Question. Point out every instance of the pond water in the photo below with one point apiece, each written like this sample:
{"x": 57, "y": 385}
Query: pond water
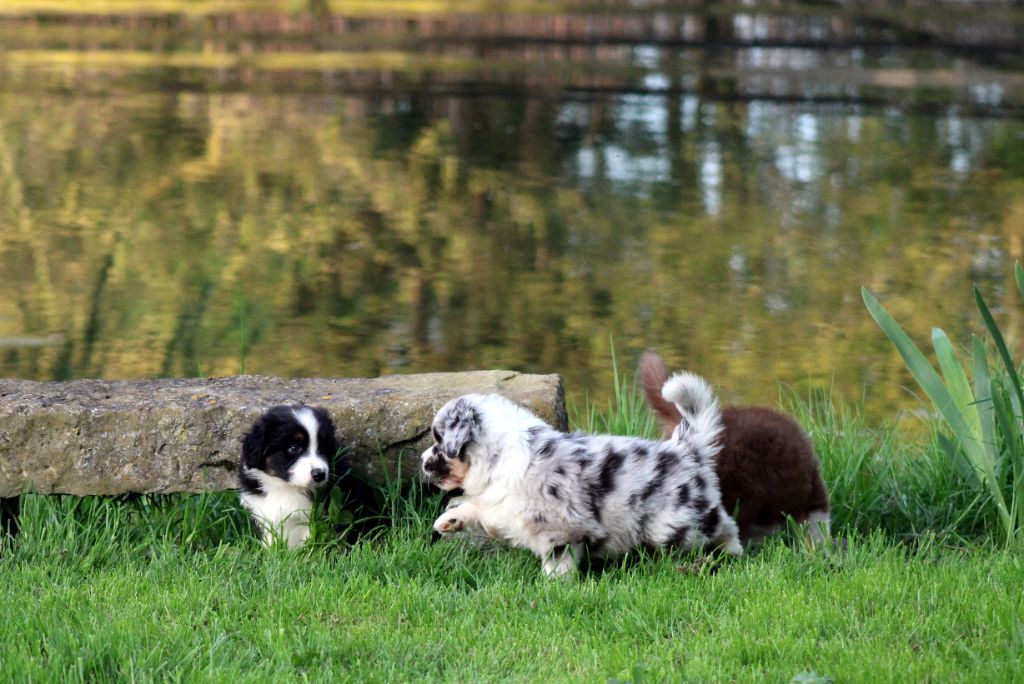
{"x": 167, "y": 209}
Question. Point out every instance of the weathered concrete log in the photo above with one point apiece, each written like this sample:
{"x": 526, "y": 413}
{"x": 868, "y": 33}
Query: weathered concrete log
{"x": 184, "y": 435}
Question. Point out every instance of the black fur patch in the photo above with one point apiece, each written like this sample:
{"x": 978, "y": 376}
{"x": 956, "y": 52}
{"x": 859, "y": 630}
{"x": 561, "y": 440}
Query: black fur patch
{"x": 249, "y": 484}
{"x": 611, "y": 465}
{"x": 605, "y": 482}
{"x": 683, "y": 495}
{"x": 643, "y": 524}
{"x": 436, "y": 465}
{"x": 594, "y": 498}
{"x": 679, "y": 535}
{"x": 652, "y": 487}
{"x": 546, "y": 448}
{"x": 326, "y": 439}
{"x": 361, "y": 499}
{"x": 709, "y": 522}
{"x": 594, "y": 546}
{"x": 553, "y": 491}
{"x": 665, "y": 461}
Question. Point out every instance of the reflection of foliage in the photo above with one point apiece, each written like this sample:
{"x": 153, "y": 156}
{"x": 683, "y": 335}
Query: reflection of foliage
{"x": 359, "y": 236}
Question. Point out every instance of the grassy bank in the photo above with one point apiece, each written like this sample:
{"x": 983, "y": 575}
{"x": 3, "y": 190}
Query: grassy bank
{"x": 177, "y": 589}
{"x": 407, "y": 610}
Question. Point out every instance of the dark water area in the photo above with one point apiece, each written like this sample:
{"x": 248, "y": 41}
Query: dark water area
{"x": 208, "y": 201}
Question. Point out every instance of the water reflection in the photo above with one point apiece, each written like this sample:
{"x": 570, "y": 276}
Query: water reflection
{"x": 149, "y": 233}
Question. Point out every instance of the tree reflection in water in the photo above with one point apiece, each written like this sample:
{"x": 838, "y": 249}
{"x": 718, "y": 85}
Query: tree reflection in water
{"x": 162, "y": 228}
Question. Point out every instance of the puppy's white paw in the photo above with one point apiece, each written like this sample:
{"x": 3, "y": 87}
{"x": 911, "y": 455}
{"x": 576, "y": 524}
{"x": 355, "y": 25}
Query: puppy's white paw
{"x": 448, "y": 523}
{"x": 560, "y": 563}
{"x": 733, "y": 547}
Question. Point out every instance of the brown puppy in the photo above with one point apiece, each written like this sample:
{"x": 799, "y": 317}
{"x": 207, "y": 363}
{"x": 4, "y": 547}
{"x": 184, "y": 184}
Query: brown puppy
{"x": 767, "y": 467}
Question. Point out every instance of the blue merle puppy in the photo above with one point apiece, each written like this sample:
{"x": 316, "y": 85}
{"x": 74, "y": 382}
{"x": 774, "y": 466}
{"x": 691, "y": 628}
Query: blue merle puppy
{"x": 557, "y": 494}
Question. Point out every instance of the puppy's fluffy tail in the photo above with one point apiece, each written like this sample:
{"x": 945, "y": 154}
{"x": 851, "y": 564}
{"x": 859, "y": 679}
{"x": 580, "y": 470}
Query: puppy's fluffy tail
{"x": 653, "y": 373}
{"x": 701, "y": 422}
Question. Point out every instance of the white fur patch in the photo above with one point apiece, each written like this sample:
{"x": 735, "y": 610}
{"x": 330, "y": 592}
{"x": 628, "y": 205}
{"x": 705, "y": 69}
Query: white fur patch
{"x": 281, "y": 511}
{"x": 818, "y": 527}
{"x": 689, "y": 392}
{"x": 702, "y": 419}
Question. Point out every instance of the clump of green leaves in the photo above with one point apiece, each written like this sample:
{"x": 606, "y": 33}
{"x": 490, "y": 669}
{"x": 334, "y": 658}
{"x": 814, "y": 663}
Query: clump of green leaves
{"x": 984, "y": 414}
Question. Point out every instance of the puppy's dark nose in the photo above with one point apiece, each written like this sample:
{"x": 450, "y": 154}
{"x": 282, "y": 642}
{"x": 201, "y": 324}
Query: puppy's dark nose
{"x": 318, "y": 474}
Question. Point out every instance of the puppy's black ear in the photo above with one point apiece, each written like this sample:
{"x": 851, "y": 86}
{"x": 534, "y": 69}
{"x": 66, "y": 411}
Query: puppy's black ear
{"x": 461, "y": 426}
{"x": 254, "y": 444}
{"x": 327, "y": 438}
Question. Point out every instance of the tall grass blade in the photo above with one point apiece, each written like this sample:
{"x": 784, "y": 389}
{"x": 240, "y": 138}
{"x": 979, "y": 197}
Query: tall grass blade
{"x": 983, "y": 396}
{"x": 965, "y": 469}
{"x": 956, "y": 381}
{"x": 997, "y": 336}
{"x": 919, "y": 366}
{"x": 1012, "y": 428}
{"x": 1012, "y": 465}
{"x": 617, "y": 385}
{"x": 1019, "y": 272}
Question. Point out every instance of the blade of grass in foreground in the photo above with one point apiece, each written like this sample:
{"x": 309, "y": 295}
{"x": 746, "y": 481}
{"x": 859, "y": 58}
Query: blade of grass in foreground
{"x": 956, "y": 381}
{"x": 1004, "y": 353}
{"x": 1013, "y": 444}
{"x": 983, "y": 395}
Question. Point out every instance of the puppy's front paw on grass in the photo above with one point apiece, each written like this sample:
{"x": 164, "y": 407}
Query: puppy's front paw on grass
{"x": 448, "y": 524}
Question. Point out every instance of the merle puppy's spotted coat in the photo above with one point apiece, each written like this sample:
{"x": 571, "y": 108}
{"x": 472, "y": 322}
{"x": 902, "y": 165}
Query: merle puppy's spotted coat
{"x": 556, "y": 493}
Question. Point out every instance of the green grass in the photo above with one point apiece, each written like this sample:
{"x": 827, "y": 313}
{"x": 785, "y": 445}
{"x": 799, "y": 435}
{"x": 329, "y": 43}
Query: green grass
{"x": 176, "y": 588}
{"x": 880, "y": 479}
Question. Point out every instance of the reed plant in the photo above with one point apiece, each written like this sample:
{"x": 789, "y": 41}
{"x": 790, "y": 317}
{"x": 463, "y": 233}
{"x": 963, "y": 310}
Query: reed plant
{"x": 983, "y": 414}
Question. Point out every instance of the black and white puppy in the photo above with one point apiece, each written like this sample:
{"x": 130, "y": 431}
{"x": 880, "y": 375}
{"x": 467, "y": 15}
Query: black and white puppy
{"x": 558, "y": 494}
{"x": 286, "y": 456}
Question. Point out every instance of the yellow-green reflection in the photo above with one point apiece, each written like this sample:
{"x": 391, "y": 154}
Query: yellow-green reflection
{"x": 147, "y": 233}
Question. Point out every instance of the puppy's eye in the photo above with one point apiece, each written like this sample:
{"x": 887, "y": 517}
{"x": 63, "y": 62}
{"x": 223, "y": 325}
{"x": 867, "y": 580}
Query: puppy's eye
{"x": 295, "y": 450}
{"x": 437, "y": 435}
